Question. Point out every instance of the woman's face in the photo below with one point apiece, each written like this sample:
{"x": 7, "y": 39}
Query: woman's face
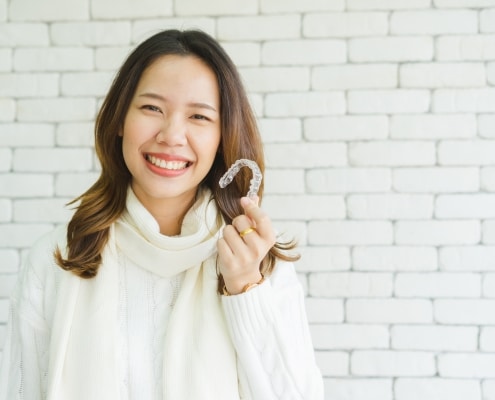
{"x": 172, "y": 129}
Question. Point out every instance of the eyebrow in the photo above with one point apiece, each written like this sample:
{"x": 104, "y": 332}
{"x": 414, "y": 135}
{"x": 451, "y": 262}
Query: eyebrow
{"x": 194, "y": 104}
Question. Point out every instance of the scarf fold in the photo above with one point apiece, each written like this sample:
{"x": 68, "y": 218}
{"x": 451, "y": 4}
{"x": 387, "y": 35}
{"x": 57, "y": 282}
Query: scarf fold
{"x": 199, "y": 358}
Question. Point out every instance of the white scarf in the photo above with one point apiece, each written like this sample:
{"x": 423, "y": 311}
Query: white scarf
{"x": 199, "y": 359}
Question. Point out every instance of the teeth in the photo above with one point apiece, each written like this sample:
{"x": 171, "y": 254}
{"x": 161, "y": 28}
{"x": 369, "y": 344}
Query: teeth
{"x": 166, "y": 164}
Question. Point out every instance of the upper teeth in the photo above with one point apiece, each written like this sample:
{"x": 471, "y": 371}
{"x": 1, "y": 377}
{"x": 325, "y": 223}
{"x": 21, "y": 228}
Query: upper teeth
{"x": 166, "y": 164}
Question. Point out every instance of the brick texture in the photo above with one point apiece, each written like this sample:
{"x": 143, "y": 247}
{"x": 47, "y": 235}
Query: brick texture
{"x": 378, "y": 118}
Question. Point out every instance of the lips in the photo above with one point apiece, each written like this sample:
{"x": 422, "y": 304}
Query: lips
{"x": 173, "y": 165}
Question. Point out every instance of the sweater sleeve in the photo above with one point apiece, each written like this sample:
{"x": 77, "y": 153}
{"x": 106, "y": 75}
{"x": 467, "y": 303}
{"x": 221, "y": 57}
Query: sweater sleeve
{"x": 24, "y": 361}
{"x": 269, "y": 329}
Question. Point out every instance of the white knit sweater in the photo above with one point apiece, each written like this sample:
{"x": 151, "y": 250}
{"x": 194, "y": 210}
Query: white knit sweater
{"x": 268, "y": 328}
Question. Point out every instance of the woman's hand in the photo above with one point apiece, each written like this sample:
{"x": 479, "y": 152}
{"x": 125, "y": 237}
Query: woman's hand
{"x": 244, "y": 245}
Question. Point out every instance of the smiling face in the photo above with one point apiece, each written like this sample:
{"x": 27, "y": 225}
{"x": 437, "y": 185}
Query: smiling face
{"x": 172, "y": 130}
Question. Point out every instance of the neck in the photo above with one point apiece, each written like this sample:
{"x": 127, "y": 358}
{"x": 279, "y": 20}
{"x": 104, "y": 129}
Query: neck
{"x": 168, "y": 212}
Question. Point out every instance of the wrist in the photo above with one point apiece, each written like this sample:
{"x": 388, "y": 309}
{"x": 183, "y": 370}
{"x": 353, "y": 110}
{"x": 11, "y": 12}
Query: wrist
{"x": 232, "y": 287}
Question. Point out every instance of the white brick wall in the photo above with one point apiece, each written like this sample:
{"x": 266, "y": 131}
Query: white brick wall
{"x": 378, "y": 118}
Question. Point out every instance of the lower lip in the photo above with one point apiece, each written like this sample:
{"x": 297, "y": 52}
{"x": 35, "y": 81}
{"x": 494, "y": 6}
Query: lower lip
{"x": 168, "y": 173}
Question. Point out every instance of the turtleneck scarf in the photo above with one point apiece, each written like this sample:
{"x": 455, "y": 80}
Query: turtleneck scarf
{"x": 199, "y": 359}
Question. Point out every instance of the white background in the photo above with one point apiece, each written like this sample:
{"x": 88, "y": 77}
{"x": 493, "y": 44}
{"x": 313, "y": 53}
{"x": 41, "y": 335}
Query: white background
{"x": 378, "y": 118}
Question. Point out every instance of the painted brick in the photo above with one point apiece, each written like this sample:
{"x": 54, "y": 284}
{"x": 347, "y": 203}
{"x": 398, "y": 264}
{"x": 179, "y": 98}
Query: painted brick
{"x": 90, "y": 33}
{"x": 392, "y": 363}
{"x": 467, "y": 258}
{"x": 400, "y": 101}
{"x": 434, "y": 22}
{"x": 490, "y": 73}
{"x": 465, "y": 311}
{"x": 283, "y": 6}
{"x": 292, "y": 231}
{"x": 281, "y": 130}
{"x": 6, "y": 60}
{"x": 244, "y": 54}
{"x": 487, "y": 20}
{"x": 304, "y": 52}
{"x": 487, "y": 338}
{"x": 399, "y": 49}
{"x": 486, "y": 125}
{"x": 5, "y": 160}
{"x": 396, "y": 258}
{"x": 348, "y": 180}
{"x": 434, "y": 338}
{"x": 324, "y": 310}
{"x": 4, "y": 309}
{"x": 29, "y": 85}
{"x": 26, "y": 135}
{"x": 465, "y": 48}
{"x": 396, "y": 153}
{"x": 10, "y": 261}
{"x": 355, "y": 127}
{"x": 436, "y": 180}
{"x": 350, "y": 284}
{"x": 7, "y": 284}
{"x": 305, "y": 207}
{"x": 488, "y": 179}
{"x": 387, "y": 4}
{"x": 7, "y": 110}
{"x": 461, "y": 152}
{"x": 433, "y": 126}
{"x": 437, "y": 285}
{"x": 110, "y": 58}
{"x": 489, "y": 285}
{"x": 333, "y": 363}
{"x": 389, "y": 311}
{"x": 488, "y": 232}
{"x": 345, "y": 24}
{"x": 463, "y": 3}
{"x": 359, "y": 76}
{"x": 26, "y": 185}
{"x": 3, "y": 14}
{"x": 309, "y": 104}
{"x": 390, "y": 206}
{"x": 259, "y": 27}
{"x": 75, "y": 134}
{"x": 442, "y": 75}
{"x": 106, "y": 9}
{"x": 334, "y": 258}
{"x": 437, "y": 233}
{"x": 437, "y": 388}
{"x": 214, "y": 7}
{"x": 359, "y": 389}
{"x": 464, "y": 100}
{"x": 350, "y": 232}
{"x": 22, "y": 235}
{"x": 144, "y": 28}
{"x": 5, "y": 210}
{"x": 349, "y": 336}
{"x": 41, "y": 210}
{"x": 305, "y": 155}
{"x": 288, "y": 181}
{"x": 53, "y": 59}
{"x": 466, "y": 365}
{"x": 53, "y": 10}
{"x": 273, "y": 79}
{"x": 24, "y": 34}
{"x": 86, "y": 84}
{"x": 56, "y": 110}
{"x": 488, "y": 387}
{"x": 474, "y": 206}
{"x": 52, "y": 160}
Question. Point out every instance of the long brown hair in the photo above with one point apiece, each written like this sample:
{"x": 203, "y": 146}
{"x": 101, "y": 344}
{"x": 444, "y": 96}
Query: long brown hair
{"x": 104, "y": 202}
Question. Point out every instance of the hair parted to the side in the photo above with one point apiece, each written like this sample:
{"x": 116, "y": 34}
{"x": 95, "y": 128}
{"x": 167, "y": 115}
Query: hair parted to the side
{"x": 104, "y": 202}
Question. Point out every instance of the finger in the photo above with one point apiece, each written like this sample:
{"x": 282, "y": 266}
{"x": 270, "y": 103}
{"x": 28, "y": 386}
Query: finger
{"x": 261, "y": 220}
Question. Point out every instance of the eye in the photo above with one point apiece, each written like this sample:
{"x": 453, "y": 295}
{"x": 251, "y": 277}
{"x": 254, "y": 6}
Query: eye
{"x": 151, "y": 108}
{"x": 200, "y": 117}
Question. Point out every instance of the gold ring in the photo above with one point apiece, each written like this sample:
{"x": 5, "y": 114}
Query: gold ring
{"x": 246, "y": 231}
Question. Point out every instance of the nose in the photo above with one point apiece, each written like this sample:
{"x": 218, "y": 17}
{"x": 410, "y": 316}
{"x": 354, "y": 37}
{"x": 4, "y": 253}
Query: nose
{"x": 173, "y": 132}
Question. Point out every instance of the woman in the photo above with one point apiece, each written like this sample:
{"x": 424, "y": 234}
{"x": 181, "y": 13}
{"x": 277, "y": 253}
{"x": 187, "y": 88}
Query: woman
{"x": 163, "y": 285}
